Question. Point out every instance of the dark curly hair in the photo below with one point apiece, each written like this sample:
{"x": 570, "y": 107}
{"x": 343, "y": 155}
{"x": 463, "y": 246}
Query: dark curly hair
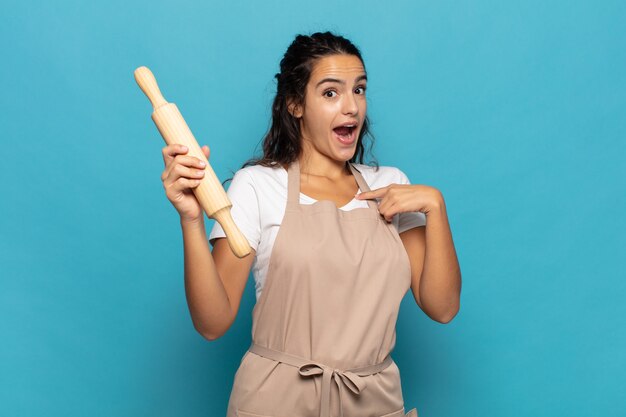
{"x": 282, "y": 143}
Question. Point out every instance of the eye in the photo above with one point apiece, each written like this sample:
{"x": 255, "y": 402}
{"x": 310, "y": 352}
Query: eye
{"x": 362, "y": 88}
{"x": 329, "y": 91}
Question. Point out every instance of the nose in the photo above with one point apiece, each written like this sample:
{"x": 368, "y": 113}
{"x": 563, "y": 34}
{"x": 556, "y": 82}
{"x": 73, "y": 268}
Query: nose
{"x": 350, "y": 105}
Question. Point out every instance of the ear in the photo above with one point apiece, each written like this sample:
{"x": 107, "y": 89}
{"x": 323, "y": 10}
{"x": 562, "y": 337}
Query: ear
{"x": 294, "y": 109}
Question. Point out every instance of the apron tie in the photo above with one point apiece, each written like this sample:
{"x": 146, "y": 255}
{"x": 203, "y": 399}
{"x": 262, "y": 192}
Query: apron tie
{"x": 350, "y": 378}
{"x": 342, "y": 378}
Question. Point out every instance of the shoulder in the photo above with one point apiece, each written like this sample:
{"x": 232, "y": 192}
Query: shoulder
{"x": 259, "y": 175}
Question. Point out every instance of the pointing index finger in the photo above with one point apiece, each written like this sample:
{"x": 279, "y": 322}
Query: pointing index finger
{"x": 379, "y": 192}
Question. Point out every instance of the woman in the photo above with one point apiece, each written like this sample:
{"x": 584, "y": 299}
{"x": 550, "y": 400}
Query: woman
{"x": 331, "y": 265}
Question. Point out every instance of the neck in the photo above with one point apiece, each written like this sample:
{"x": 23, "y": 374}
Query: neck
{"x": 316, "y": 164}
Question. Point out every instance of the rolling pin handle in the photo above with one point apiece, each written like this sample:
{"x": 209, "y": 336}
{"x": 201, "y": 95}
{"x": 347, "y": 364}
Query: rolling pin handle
{"x": 149, "y": 86}
{"x": 237, "y": 241}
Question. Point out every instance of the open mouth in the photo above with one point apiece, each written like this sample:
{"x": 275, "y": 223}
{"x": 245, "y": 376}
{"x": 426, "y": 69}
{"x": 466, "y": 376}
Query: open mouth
{"x": 345, "y": 134}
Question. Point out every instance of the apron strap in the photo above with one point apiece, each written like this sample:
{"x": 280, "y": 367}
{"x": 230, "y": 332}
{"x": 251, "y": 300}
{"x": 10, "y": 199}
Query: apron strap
{"x": 293, "y": 185}
{"x": 362, "y": 184}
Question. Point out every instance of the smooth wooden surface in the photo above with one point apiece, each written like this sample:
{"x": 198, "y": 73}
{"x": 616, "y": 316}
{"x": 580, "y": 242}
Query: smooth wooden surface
{"x": 210, "y": 193}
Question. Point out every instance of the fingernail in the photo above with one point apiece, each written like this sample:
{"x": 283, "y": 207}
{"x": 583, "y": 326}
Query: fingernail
{"x": 202, "y": 164}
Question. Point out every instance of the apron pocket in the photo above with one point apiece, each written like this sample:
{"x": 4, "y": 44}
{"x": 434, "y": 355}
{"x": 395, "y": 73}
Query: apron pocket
{"x": 412, "y": 413}
{"x": 241, "y": 413}
{"x": 398, "y": 413}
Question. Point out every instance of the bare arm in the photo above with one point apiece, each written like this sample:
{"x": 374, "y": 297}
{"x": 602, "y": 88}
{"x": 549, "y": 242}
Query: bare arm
{"x": 214, "y": 282}
{"x": 435, "y": 271}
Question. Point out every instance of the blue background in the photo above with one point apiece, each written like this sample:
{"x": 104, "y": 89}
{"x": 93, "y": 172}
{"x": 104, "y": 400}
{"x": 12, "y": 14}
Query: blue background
{"x": 514, "y": 110}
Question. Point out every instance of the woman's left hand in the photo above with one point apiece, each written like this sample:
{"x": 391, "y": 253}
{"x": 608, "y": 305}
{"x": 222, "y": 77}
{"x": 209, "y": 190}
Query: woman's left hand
{"x": 400, "y": 198}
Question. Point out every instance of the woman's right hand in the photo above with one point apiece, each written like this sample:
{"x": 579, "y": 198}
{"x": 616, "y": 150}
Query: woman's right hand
{"x": 181, "y": 175}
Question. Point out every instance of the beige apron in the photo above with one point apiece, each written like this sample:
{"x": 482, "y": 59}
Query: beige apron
{"x": 324, "y": 325}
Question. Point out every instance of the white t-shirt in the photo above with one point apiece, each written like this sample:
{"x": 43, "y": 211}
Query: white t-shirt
{"x": 259, "y": 198}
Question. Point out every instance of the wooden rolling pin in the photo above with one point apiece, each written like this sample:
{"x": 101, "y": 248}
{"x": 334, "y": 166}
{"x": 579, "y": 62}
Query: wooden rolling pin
{"x": 210, "y": 193}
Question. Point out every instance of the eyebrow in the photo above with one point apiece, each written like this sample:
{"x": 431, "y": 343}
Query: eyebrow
{"x": 334, "y": 80}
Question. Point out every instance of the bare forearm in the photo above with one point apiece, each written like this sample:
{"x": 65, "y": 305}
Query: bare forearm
{"x": 440, "y": 282}
{"x": 207, "y": 298}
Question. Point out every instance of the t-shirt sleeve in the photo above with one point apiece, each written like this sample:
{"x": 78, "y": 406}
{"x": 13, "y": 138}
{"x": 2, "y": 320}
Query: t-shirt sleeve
{"x": 409, "y": 220}
{"x": 245, "y": 210}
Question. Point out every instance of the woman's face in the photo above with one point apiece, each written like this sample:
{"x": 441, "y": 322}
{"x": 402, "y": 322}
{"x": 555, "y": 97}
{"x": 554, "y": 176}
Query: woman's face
{"x": 335, "y": 98}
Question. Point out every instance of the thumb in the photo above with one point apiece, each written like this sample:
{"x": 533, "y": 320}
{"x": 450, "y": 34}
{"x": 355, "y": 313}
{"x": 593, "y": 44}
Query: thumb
{"x": 206, "y": 151}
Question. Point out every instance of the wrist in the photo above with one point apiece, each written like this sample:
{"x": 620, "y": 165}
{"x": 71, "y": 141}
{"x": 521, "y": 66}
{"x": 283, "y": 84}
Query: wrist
{"x": 192, "y": 222}
{"x": 437, "y": 206}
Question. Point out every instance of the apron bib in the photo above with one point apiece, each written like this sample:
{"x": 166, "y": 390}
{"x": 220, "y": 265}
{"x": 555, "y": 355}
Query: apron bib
{"x": 325, "y": 323}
